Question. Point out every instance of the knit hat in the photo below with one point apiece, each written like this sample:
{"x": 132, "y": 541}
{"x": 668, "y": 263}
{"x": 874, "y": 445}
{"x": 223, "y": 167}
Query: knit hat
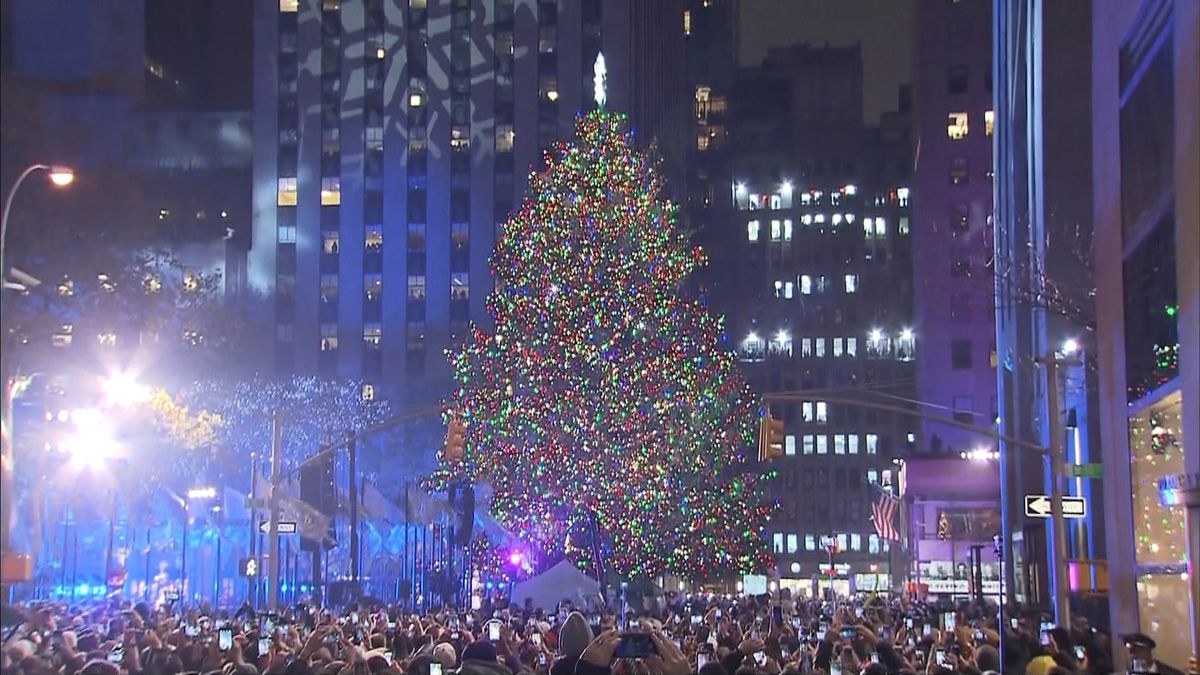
{"x": 480, "y": 650}
{"x": 444, "y": 653}
{"x": 574, "y": 636}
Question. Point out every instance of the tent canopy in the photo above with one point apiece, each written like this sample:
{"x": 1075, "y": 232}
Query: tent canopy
{"x": 564, "y": 581}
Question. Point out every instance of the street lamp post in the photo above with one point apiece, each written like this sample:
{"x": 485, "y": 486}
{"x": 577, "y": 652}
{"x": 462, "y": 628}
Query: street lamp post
{"x": 59, "y": 176}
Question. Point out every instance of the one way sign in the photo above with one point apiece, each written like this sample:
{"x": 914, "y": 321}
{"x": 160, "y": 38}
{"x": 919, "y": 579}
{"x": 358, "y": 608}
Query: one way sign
{"x": 285, "y": 527}
{"x": 1038, "y": 506}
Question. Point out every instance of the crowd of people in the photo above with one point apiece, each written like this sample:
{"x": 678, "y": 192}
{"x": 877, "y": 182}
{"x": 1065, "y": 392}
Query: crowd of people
{"x": 685, "y": 635}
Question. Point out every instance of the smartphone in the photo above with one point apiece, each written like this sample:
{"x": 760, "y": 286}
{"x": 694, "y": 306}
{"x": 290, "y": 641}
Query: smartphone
{"x": 634, "y": 646}
{"x": 718, "y": 614}
{"x": 391, "y": 625}
{"x": 920, "y": 656}
{"x": 858, "y": 612}
{"x": 331, "y": 639}
{"x": 948, "y": 621}
{"x": 435, "y": 668}
{"x": 353, "y": 617}
{"x": 795, "y": 623}
{"x": 225, "y": 639}
{"x": 926, "y": 630}
{"x": 493, "y": 632}
{"x": 849, "y": 632}
{"x": 191, "y": 630}
{"x": 542, "y": 659}
{"x": 389, "y": 657}
{"x": 874, "y": 657}
{"x": 701, "y": 660}
{"x": 760, "y": 658}
{"x": 695, "y": 620}
{"x": 835, "y": 667}
{"x": 264, "y": 646}
{"x": 978, "y": 635}
{"x": 1014, "y": 622}
{"x": 1079, "y": 652}
{"x": 940, "y": 657}
{"x": 536, "y": 638}
{"x": 908, "y": 623}
{"x": 117, "y": 655}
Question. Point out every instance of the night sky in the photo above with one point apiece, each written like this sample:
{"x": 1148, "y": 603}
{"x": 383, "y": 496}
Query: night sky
{"x": 884, "y": 27}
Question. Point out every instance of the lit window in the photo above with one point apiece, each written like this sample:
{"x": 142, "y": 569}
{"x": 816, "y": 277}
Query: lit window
{"x": 416, "y": 286}
{"x": 777, "y": 542}
{"x": 806, "y": 219}
{"x": 331, "y": 191}
{"x": 807, "y": 408}
{"x": 852, "y": 444}
{"x": 789, "y": 444}
{"x": 380, "y": 52}
{"x": 956, "y": 126}
{"x": 989, "y": 121}
{"x": 810, "y": 444}
{"x": 851, "y": 283}
{"x": 108, "y": 339}
{"x": 855, "y": 542}
{"x": 841, "y": 542}
{"x": 373, "y": 286}
{"x": 902, "y": 228}
{"x": 687, "y": 22}
{"x": 836, "y": 219}
{"x": 906, "y": 346}
{"x": 822, "y": 444}
{"x": 460, "y": 286}
{"x": 703, "y": 140}
{"x": 287, "y": 192}
{"x": 850, "y": 218}
{"x": 819, "y": 219}
{"x": 851, "y": 347}
{"x": 805, "y": 284}
{"x": 372, "y": 334}
{"x": 329, "y": 337}
{"x": 805, "y": 347}
{"x": 839, "y": 444}
{"x": 329, "y": 287}
{"x": 368, "y": 392}
{"x": 289, "y": 6}
{"x": 902, "y": 196}
{"x": 787, "y": 230}
{"x": 504, "y": 138}
{"x": 792, "y": 543}
{"x": 872, "y": 444}
{"x": 416, "y": 99}
{"x": 872, "y": 476}
{"x": 373, "y": 238}
{"x": 789, "y": 288}
{"x": 752, "y": 230}
{"x": 838, "y": 347}
{"x": 191, "y": 281}
{"x": 329, "y": 242}
{"x": 822, "y": 412}
{"x": 287, "y": 234}
{"x": 959, "y": 173}
{"x": 810, "y": 542}
{"x": 819, "y": 343}
{"x": 872, "y": 543}
{"x": 776, "y": 230}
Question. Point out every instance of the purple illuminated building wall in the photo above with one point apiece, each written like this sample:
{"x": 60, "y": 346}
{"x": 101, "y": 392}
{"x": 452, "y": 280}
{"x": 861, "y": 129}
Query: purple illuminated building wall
{"x": 952, "y": 233}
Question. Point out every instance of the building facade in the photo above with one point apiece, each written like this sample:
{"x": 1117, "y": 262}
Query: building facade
{"x": 952, "y": 221}
{"x": 816, "y": 256}
{"x": 1146, "y": 116}
{"x": 392, "y": 138}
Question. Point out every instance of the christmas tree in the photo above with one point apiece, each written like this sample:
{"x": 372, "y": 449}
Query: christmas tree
{"x": 603, "y": 388}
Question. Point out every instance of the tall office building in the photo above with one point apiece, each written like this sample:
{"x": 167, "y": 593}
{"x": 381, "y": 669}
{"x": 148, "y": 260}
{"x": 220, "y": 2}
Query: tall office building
{"x": 952, "y": 221}
{"x": 1145, "y": 112}
{"x": 817, "y": 256}
{"x": 391, "y": 138}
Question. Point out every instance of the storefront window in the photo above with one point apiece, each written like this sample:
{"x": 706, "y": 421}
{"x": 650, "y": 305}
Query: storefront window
{"x": 1156, "y": 451}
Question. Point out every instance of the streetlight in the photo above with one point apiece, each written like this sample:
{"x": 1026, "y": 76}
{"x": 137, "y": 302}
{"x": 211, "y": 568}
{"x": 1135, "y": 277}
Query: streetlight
{"x": 61, "y": 177}
{"x": 121, "y": 388}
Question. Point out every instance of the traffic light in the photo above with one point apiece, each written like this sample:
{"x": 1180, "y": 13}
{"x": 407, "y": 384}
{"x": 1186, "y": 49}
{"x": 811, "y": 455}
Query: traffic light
{"x": 456, "y": 439}
{"x": 770, "y": 438}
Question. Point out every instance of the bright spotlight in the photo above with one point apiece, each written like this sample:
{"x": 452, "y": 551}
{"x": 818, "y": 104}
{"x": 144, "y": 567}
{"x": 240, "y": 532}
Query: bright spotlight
{"x": 876, "y": 335}
{"x": 787, "y": 187}
{"x": 1069, "y": 346}
{"x": 741, "y": 188}
{"x": 906, "y": 334}
{"x": 123, "y": 390}
{"x": 202, "y": 493}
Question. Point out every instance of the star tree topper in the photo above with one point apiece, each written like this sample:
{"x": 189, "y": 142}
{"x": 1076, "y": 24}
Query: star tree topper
{"x": 600, "y": 80}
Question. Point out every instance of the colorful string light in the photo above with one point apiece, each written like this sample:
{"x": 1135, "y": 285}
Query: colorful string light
{"x": 602, "y": 388}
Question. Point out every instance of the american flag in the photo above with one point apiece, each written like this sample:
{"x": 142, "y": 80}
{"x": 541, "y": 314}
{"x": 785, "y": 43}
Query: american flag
{"x": 883, "y": 514}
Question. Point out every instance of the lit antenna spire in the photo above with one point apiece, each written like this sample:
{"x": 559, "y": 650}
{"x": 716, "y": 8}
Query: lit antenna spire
{"x": 600, "y": 80}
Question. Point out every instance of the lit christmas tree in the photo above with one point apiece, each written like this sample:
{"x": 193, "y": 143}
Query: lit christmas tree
{"x": 602, "y": 387}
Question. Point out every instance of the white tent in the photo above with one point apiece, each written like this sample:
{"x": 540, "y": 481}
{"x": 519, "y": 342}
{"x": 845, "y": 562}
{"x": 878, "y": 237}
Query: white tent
{"x": 564, "y": 581}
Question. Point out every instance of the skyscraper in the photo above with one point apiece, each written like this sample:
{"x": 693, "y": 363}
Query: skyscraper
{"x": 392, "y": 138}
{"x": 816, "y": 255}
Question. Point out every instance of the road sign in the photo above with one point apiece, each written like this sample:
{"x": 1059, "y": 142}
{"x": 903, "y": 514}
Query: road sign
{"x": 285, "y": 527}
{"x": 248, "y": 567}
{"x": 1092, "y": 470}
{"x": 1038, "y": 506}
